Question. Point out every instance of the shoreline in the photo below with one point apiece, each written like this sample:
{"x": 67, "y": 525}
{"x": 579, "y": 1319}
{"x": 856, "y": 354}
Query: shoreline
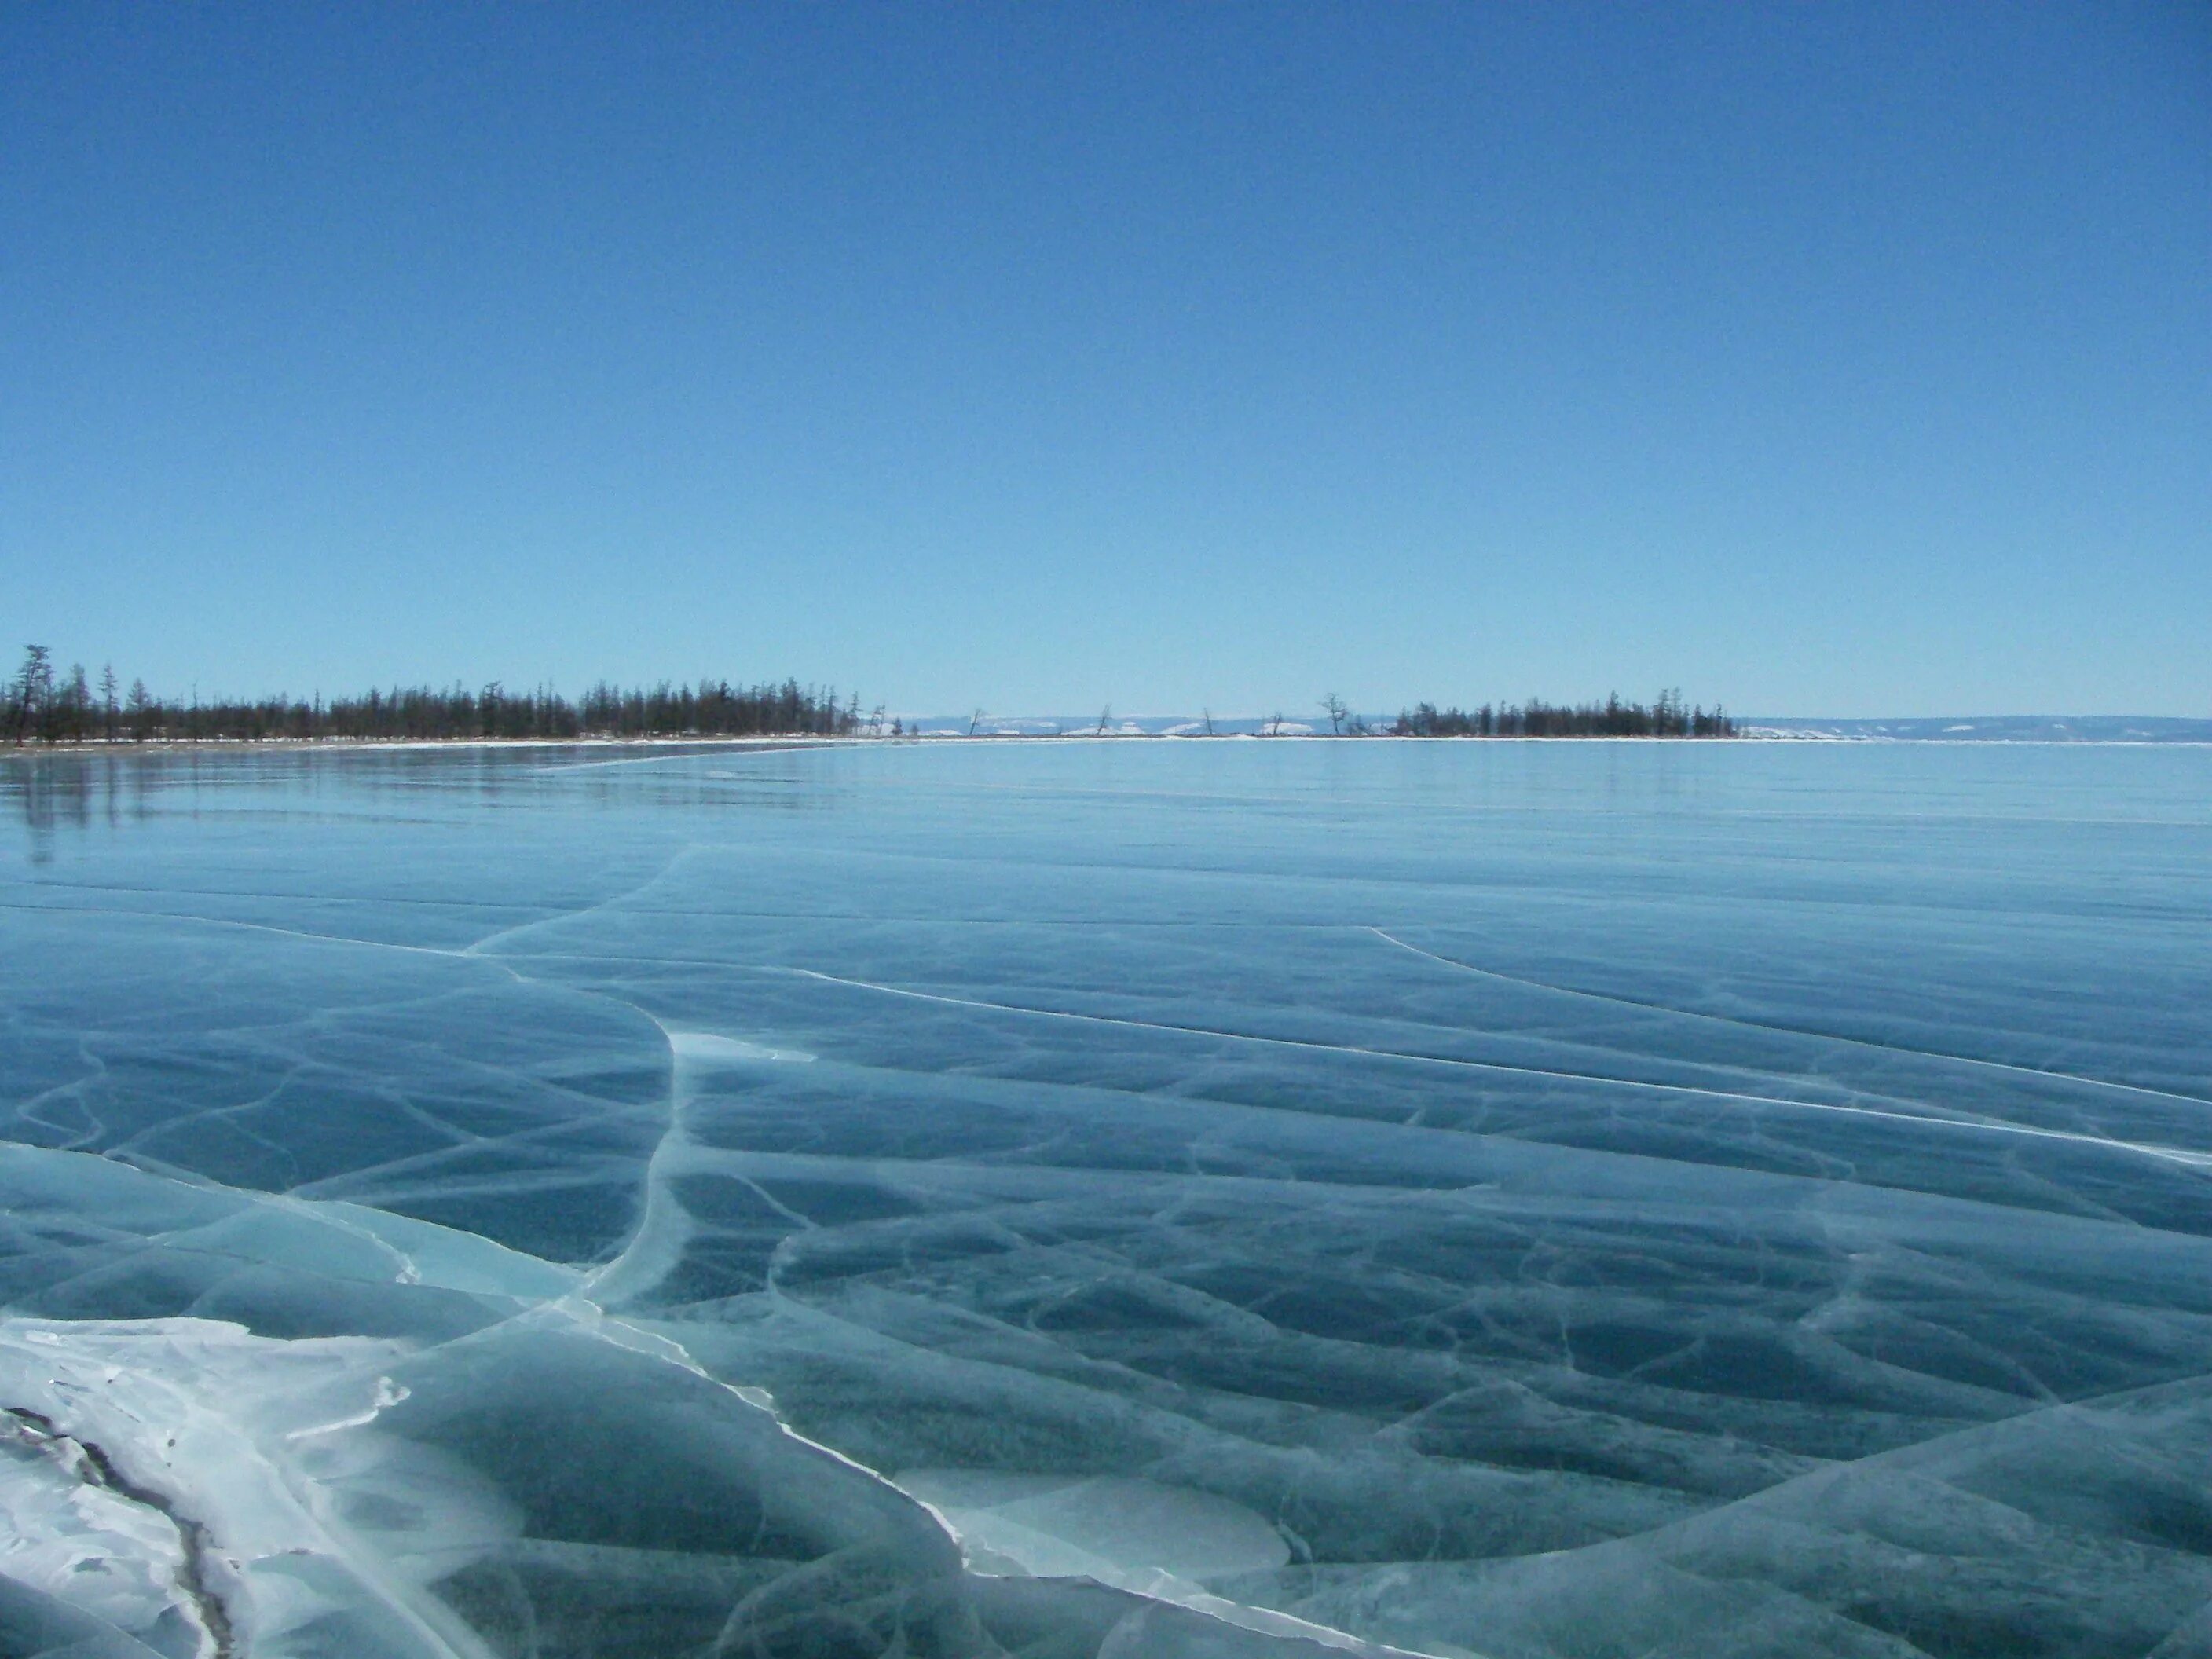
{"x": 122, "y": 746}
{"x": 320, "y": 745}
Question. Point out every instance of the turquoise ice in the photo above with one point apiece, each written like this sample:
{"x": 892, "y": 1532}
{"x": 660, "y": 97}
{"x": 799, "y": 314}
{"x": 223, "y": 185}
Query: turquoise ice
{"x": 1545, "y": 1202}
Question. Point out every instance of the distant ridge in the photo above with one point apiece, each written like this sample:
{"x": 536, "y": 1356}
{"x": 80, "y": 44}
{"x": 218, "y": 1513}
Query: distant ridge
{"x": 1991, "y": 728}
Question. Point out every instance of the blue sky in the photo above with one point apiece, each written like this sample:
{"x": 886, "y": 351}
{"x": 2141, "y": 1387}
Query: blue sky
{"x": 1837, "y": 359}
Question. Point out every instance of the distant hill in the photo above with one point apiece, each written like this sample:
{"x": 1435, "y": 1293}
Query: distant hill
{"x": 1991, "y": 728}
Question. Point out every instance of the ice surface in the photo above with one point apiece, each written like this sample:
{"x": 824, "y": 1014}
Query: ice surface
{"x": 1542, "y": 1201}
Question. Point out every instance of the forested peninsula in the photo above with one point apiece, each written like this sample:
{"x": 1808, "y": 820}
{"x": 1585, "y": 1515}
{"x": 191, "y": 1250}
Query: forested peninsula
{"x": 47, "y": 706}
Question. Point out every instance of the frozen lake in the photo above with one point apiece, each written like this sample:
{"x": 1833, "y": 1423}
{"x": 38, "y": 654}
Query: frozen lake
{"x": 1546, "y": 1201}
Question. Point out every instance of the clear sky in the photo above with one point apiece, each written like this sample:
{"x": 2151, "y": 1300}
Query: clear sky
{"x": 1823, "y": 359}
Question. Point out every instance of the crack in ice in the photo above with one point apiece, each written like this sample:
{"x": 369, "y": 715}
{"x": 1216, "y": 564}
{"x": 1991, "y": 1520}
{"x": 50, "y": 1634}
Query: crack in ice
{"x": 2187, "y": 1157}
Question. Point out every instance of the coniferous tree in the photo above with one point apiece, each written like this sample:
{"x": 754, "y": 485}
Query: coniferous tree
{"x": 76, "y": 705}
{"x": 33, "y": 693}
{"x": 1669, "y": 717}
{"x": 33, "y": 706}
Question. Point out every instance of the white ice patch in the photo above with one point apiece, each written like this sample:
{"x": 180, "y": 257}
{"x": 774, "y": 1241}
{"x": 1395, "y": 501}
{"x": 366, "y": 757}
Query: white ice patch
{"x": 1112, "y": 1529}
{"x": 63, "y": 1533}
{"x": 388, "y": 1392}
{"x": 709, "y": 1049}
{"x": 234, "y": 1496}
{"x": 1137, "y": 1536}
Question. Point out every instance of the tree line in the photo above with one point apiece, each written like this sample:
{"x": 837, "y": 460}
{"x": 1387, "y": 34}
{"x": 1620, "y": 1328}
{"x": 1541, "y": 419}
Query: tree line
{"x": 44, "y": 705}
{"x": 1669, "y": 717}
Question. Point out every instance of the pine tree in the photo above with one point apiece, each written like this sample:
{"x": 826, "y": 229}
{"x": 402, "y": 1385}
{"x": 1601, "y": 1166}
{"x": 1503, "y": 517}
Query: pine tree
{"x": 32, "y": 692}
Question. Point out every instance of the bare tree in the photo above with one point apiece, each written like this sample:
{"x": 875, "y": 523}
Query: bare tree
{"x": 1207, "y": 716}
{"x": 975, "y": 721}
{"x": 1333, "y": 705}
{"x": 1105, "y": 715}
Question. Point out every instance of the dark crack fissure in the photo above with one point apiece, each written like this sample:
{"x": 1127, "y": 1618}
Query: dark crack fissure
{"x": 97, "y": 1468}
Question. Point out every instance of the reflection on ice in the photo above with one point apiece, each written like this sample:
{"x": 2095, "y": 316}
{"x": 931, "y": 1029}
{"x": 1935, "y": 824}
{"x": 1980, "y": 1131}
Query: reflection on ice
{"x": 1535, "y": 1203}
